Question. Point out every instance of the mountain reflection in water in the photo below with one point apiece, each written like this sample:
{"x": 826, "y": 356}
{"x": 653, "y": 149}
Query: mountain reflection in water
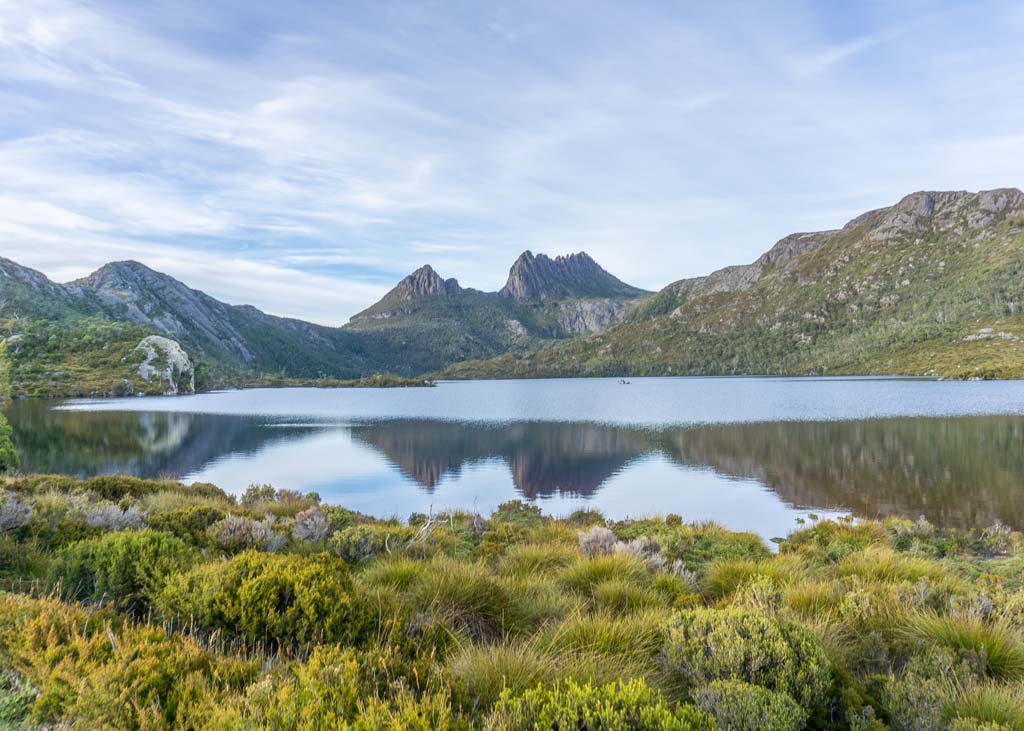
{"x": 965, "y": 471}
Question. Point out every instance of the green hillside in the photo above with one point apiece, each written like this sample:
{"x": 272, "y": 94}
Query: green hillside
{"x": 933, "y": 286}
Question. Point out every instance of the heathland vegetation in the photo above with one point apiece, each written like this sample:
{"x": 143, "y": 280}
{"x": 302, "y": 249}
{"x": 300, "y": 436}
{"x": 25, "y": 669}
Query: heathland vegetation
{"x": 136, "y": 604}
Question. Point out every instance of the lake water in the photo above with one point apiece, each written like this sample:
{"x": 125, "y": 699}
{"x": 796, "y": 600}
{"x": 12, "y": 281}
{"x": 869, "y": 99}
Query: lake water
{"x": 750, "y": 453}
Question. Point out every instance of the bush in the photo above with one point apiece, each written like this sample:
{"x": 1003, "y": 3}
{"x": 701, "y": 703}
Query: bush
{"x": 189, "y": 523}
{"x": 361, "y": 542}
{"x": 238, "y": 533}
{"x": 706, "y": 645}
{"x": 311, "y": 525}
{"x": 598, "y": 541}
{"x": 110, "y": 517}
{"x": 14, "y": 514}
{"x": 740, "y": 706}
{"x": 129, "y": 567}
{"x": 622, "y": 705}
{"x": 276, "y": 599}
{"x": 698, "y": 545}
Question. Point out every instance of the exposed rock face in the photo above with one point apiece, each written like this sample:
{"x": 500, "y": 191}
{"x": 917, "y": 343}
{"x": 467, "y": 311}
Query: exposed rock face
{"x": 590, "y": 316}
{"x": 425, "y": 282}
{"x": 166, "y": 360}
{"x": 576, "y": 275}
{"x": 421, "y": 284}
{"x": 135, "y": 292}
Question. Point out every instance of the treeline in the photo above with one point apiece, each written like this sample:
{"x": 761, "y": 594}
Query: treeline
{"x": 134, "y": 604}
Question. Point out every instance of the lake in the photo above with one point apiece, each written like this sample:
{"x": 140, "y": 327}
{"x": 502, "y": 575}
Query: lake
{"x": 751, "y": 453}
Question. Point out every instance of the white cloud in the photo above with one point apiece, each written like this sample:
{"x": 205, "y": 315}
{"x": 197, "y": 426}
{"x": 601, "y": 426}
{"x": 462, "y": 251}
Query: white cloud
{"x": 345, "y": 145}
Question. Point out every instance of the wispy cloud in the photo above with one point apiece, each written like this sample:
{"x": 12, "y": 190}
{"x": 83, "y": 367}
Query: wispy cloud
{"x": 341, "y": 145}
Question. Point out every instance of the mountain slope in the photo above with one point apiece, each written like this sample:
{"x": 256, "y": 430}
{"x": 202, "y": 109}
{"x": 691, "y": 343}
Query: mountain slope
{"x": 931, "y": 285}
{"x": 428, "y": 322}
{"x": 80, "y": 338}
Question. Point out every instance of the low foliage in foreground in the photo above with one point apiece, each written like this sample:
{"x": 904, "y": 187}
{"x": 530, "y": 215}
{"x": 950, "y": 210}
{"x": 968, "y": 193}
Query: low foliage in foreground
{"x": 135, "y": 604}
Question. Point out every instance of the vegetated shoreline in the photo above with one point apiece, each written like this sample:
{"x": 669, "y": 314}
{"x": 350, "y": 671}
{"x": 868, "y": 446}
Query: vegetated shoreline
{"x": 130, "y": 603}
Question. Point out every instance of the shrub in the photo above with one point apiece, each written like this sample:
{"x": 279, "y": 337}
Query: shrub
{"x": 598, "y": 541}
{"x": 731, "y": 644}
{"x": 118, "y": 487}
{"x": 699, "y": 545}
{"x": 334, "y": 687}
{"x": 110, "y": 517}
{"x": 14, "y": 514}
{"x": 622, "y": 705}
{"x": 518, "y": 513}
{"x": 189, "y": 523}
{"x": 277, "y": 599}
{"x": 361, "y": 542}
{"x": 238, "y": 533}
{"x": 740, "y": 706}
{"x": 129, "y": 567}
{"x": 311, "y": 525}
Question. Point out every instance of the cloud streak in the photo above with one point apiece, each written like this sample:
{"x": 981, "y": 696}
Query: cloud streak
{"x": 343, "y": 145}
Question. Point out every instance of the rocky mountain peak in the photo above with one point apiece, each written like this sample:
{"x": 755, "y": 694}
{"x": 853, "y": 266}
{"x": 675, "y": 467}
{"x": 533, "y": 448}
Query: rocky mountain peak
{"x": 539, "y": 277}
{"x": 926, "y": 211}
{"x": 425, "y": 282}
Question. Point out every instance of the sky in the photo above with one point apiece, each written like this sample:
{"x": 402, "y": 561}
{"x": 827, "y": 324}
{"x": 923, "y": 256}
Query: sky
{"x": 303, "y": 156}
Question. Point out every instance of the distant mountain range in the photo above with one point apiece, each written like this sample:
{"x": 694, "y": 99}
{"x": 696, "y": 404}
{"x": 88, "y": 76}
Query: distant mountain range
{"x": 79, "y": 338}
{"x": 933, "y": 285}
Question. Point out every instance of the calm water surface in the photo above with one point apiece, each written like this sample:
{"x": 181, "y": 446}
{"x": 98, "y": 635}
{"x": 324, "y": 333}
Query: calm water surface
{"x": 751, "y": 453}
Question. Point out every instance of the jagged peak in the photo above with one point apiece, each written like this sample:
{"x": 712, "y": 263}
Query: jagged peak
{"x": 540, "y": 277}
{"x": 425, "y": 282}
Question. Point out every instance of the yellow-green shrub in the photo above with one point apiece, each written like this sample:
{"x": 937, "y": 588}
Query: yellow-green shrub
{"x": 129, "y": 567}
{"x": 705, "y": 645}
{"x": 270, "y": 598}
{"x": 629, "y": 706}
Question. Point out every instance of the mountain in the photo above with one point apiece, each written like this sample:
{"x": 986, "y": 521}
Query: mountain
{"x": 429, "y": 322}
{"x": 564, "y": 277}
{"x": 84, "y": 337}
{"x": 931, "y": 285}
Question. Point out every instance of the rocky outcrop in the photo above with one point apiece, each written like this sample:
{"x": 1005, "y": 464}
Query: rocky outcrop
{"x": 425, "y": 282}
{"x": 576, "y": 317}
{"x": 165, "y": 361}
{"x": 577, "y": 275}
{"x": 132, "y": 291}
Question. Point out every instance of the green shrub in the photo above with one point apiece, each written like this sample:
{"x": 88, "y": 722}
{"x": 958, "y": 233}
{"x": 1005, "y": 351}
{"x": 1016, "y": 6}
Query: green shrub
{"x": 698, "y": 545}
{"x": 269, "y": 598}
{"x": 623, "y": 705}
{"x": 361, "y": 542}
{"x": 740, "y": 706}
{"x": 129, "y": 567}
{"x": 705, "y": 645}
{"x": 189, "y": 523}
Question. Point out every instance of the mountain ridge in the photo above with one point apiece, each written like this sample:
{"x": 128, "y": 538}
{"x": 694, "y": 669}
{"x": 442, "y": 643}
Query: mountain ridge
{"x": 905, "y": 289}
{"x": 424, "y": 323}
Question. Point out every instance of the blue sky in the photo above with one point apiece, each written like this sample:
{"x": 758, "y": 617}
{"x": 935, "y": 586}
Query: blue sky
{"x": 304, "y": 156}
